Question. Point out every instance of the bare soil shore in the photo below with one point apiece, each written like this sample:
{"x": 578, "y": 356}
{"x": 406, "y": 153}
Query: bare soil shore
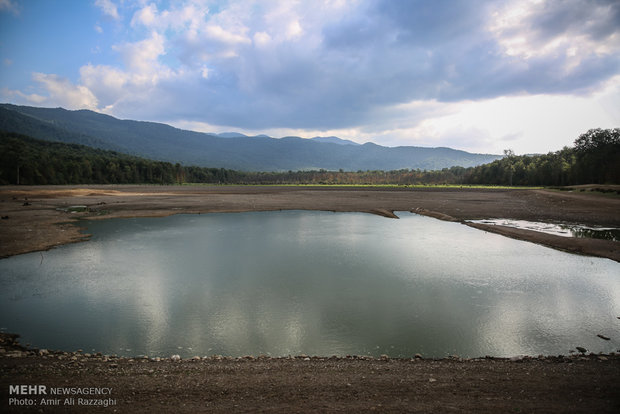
{"x": 559, "y": 384}
{"x": 39, "y": 218}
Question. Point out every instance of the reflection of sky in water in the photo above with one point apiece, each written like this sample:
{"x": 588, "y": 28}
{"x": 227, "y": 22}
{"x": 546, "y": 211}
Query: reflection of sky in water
{"x": 564, "y": 230}
{"x": 320, "y": 283}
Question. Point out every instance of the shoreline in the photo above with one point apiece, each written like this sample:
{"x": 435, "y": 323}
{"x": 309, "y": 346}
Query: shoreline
{"x": 576, "y": 383}
{"x": 34, "y": 220}
{"x": 554, "y": 384}
{"x": 10, "y": 347}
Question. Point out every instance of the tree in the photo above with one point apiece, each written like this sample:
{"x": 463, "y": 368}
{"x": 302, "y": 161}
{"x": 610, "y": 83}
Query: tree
{"x": 598, "y": 156}
{"x": 510, "y": 155}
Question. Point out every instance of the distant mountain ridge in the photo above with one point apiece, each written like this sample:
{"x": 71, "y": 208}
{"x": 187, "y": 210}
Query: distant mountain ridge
{"x": 230, "y": 150}
{"x": 334, "y": 140}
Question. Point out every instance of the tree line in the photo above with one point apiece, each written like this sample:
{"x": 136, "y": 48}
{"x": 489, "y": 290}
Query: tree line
{"x": 594, "y": 158}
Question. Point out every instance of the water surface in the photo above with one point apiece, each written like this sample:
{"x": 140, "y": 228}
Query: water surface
{"x": 318, "y": 283}
{"x": 558, "y": 229}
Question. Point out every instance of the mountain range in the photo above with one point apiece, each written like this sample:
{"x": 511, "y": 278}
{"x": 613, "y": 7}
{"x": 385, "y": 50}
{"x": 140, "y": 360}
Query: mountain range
{"x": 230, "y": 150}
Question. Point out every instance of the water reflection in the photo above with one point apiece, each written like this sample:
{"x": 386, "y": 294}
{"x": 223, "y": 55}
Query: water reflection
{"x": 562, "y": 229}
{"x": 294, "y": 282}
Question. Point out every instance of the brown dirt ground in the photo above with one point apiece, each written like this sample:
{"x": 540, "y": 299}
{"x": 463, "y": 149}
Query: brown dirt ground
{"x": 576, "y": 384}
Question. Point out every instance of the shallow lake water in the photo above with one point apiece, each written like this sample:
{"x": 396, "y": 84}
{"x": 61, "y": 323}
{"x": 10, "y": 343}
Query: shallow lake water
{"x": 303, "y": 282}
{"x": 558, "y": 229}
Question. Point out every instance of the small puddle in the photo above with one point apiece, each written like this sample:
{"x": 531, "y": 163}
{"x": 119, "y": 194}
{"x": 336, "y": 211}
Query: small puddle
{"x": 564, "y": 230}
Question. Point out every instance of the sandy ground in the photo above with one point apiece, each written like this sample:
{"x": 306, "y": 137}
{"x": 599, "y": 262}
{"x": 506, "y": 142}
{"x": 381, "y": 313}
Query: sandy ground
{"x": 38, "y": 218}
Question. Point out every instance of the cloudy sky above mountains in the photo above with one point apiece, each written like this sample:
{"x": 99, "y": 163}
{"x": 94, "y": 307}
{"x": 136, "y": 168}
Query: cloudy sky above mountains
{"x": 483, "y": 76}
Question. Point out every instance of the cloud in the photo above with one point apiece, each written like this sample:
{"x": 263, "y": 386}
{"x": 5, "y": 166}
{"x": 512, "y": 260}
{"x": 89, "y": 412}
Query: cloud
{"x": 219, "y": 34}
{"x": 108, "y": 8}
{"x": 9, "y": 6}
{"x": 19, "y": 97}
{"x": 285, "y": 67}
{"x": 572, "y": 45}
{"x": 398, "y": 71}
{"x": 109, "y": 84}
{"x": 62, "y": 92}
{"x": 526, "y": 123}
{"x": 141, "y": 58}
{"x": 137, "y": 87}
{"x": 181, "y": 16}
{"x": 572, "y": 27}
{"x": 450, "y": 52}
{"x": 146, "y": 16}
{"x": 261, "y": 39}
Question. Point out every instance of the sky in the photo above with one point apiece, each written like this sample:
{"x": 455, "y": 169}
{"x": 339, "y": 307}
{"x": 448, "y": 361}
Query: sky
{"x": 476, "y": 75}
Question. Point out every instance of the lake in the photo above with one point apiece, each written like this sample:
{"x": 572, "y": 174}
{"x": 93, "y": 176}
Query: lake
{"x": 306, "y": 282}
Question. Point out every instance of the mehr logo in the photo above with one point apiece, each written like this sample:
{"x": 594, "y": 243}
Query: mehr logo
{"x": 26, "y": 395}
{"x": 27, "y": 389}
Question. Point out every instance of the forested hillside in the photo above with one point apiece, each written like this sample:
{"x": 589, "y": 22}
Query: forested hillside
{"x": 25, "y": 160}
{"x": 594, "y": 159}
{"x": 231, "y": 151}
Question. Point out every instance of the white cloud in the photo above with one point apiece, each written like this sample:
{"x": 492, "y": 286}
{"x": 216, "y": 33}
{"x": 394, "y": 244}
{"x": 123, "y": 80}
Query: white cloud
{"x": 188, "y": 17}
{"x": 63, "y": 93}
{"x": 19, "y": 97}
{"x": 204, "y": 72}
{"x": 58, "y": 92}
{"x": 294, "y": 29}
{"x": 526, "y": 124}
{"x": 146, "y": 16}
{"x": 285, "y": 19}
{"x": 570, "y": 28}
{"x": 197, "y": 34}
{"x": 141, "y": 58}
{"x": 220, "y": 34}
{"x": 108, "y": 8}
{"x": 261, "y": 39}
{"x": 107, "y": 83}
